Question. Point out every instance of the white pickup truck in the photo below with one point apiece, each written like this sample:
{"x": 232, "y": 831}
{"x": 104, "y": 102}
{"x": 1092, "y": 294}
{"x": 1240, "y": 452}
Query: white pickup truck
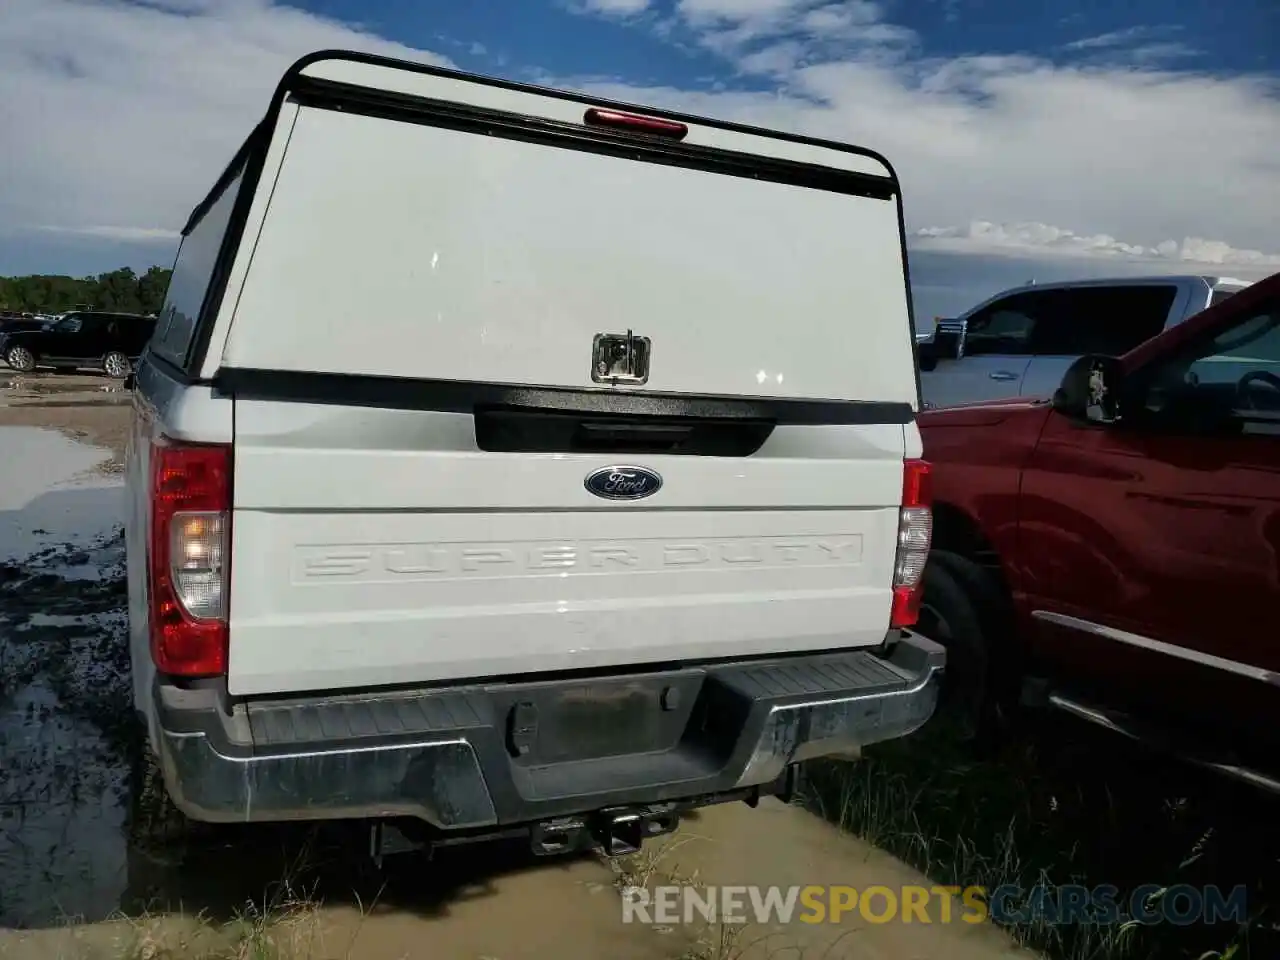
{"x": 508, "y": 459}
{"x": 1021, "y": 341}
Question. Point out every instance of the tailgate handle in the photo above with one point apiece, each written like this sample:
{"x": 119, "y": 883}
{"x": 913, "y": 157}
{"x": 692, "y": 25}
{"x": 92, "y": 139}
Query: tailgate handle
{"x": 622, "y": 437}
{"x": 529, "y": 431}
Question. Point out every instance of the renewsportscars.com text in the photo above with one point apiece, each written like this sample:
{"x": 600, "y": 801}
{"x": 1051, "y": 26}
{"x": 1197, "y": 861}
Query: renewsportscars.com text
{"x": 1150, "y": 904}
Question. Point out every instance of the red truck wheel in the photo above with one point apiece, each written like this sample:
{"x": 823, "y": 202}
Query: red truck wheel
{"x": 950, "y": 614}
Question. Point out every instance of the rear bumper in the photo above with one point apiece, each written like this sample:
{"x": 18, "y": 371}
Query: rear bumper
{"x": 453, "y": 757}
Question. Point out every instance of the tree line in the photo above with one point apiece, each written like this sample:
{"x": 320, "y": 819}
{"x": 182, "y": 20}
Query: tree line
{"x": 121, "y": 291}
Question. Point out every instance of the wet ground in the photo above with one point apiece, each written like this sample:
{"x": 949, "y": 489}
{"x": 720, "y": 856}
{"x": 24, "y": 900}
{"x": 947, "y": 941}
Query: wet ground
{"x": 87, "y": 407}
{"x": 93, "y": 863}
{"x": 48, "y": 389}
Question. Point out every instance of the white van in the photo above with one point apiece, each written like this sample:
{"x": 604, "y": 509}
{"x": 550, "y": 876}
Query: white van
{"x": 507, "y": 458}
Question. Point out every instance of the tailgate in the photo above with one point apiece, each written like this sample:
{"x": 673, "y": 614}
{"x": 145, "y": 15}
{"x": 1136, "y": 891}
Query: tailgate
{"x": 379, "y": 547}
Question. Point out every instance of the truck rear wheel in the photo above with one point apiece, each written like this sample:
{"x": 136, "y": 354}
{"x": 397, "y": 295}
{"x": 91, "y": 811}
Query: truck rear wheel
{"x": 155, "y": 823}
{"x": 950, "y": 615}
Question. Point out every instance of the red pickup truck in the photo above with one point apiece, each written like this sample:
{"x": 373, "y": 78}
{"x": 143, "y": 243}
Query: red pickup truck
{"x": 1115, "y": 552}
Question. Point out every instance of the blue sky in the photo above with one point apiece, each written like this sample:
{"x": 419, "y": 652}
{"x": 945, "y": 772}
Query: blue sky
{"x": 1055, "y": 139}
{"x": 491, "y": 36}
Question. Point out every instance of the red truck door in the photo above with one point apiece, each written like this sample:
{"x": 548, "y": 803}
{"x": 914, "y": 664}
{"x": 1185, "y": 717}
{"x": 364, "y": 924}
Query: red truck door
{"x": 1151, "y": 547}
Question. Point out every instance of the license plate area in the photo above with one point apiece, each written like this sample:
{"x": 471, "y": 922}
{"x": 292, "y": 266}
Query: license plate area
{"x": 567, "y": 721}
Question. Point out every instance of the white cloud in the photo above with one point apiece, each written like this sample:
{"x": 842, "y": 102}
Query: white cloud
{"x": 778, "y": 59}
{"x": 736, "y": 10}
{"x": 122, "y": 114}
{"x": 730, "y": 27}
{"x": 1030, "y": 239}
{"x": 1145, "y": 45}
{"x": 1154, "y": 53}
{"x": 837, "y": 17}
{"x": 123, "y": 234}
{"x": 619, "y": 8}
{"x": 1114, "y": 38}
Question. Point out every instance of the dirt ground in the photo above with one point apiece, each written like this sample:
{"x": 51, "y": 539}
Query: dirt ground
{"x": 86, "y": 872}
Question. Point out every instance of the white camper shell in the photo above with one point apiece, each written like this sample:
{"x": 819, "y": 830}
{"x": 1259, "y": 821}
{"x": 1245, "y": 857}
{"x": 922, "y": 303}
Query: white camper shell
{"x": 504, "y": 456}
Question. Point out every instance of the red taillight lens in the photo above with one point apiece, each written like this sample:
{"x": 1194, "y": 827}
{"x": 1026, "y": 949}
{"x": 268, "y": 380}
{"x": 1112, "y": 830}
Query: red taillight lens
{"x": 917, "y": 484}
{"x": 189, "y": 544}
{"x": 915, "y": 532}
{"x": 596, "y": 117}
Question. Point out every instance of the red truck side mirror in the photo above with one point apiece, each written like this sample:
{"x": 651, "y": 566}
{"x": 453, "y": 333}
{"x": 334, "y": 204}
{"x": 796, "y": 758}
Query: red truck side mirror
{"x": 1090, "y": 390}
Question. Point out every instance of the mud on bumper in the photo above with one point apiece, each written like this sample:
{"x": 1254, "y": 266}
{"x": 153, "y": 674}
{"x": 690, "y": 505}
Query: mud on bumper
{"x": 500, "y": 754}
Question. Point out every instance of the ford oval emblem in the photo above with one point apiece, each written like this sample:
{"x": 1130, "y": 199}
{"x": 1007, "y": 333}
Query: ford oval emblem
{"x": 623, "y": 483}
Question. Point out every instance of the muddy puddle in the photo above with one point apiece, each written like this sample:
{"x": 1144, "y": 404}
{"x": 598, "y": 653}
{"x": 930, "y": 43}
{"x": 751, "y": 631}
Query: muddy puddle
{"x": 64, "y": 732}
{"x": 65, "y": 390}
{"x": 48, "y": 387}
{"x": 53, "y": 490}
{"x": 77, "y": 403}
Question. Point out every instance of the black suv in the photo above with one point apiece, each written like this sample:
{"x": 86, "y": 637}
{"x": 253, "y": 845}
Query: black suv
{"x": 111, "y": 342}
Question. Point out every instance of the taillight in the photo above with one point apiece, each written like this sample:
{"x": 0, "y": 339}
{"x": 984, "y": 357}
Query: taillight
{"x": 189, "y": 548}
{"x": 915, "y": 531}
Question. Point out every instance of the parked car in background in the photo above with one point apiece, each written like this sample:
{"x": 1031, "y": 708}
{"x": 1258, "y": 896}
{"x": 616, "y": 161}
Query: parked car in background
{"x": 111, "y": 342}
{"x": 1020, "y": 342}
{"x": 1121, "y": 542}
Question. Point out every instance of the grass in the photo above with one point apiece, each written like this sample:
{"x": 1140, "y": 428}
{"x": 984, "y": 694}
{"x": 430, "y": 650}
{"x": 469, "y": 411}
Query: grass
{"x": 289, "y": 930}
{"x": 1065, "y": 805}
